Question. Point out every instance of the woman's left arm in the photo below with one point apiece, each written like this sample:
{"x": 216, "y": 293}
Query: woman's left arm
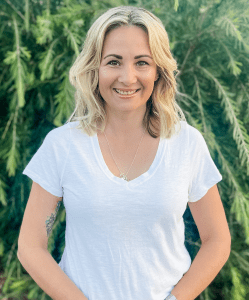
{"x": 210, "y": 219}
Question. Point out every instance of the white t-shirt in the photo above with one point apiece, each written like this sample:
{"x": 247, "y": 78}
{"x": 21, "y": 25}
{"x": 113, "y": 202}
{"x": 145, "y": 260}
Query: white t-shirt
{"x": 124, "y": 240}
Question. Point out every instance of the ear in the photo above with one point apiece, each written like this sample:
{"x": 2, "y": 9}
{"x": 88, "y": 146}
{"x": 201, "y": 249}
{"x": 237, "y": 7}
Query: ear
{"x": 157, "y": 77}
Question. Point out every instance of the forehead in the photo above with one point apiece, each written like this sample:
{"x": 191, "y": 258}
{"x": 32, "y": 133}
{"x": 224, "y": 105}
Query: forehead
{"x": 124, "y": 38}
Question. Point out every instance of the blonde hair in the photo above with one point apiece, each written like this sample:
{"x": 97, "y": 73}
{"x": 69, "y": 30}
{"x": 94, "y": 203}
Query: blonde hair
{"x": 161, "y": 108}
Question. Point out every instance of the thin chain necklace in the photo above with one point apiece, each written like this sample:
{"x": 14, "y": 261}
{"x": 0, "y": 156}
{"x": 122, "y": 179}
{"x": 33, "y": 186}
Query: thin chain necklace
{"x": 122, "y": 175}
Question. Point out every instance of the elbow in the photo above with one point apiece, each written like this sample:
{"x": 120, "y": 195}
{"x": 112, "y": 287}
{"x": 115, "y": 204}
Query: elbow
{"x": 229, "y": 246}
{"x": 18, "y": 254}
{"x": 228, "y": 243}
{"x": 222, "y": 245}
{"x": 227, "y": 250}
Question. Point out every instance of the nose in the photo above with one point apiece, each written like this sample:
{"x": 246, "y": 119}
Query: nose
{"x": 128, "y": 75}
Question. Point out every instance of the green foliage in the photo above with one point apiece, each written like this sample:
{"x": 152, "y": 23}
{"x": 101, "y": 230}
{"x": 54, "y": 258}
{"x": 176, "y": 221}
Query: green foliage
{"x": 40, "y": 41}
{"x": 238, "y": 290}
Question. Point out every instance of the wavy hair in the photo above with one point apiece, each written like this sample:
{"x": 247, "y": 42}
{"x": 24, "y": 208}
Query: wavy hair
{"x": 162, "y": 112}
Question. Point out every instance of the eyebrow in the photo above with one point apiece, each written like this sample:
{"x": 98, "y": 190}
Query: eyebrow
{"x": 120, "y": 57}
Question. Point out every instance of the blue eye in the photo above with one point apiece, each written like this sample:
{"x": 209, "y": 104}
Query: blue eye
{"x": 118, "y": 62}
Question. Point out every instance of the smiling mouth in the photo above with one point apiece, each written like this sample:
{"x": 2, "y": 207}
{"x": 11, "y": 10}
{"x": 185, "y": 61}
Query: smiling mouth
{"x": 125, "y": 93}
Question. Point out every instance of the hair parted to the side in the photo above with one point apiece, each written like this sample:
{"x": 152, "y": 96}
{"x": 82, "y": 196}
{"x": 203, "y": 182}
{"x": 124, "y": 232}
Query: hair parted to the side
{"x": 162, "y": 112}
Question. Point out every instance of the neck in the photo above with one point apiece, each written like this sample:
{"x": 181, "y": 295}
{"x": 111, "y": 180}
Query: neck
{"x": 125, "y": 127}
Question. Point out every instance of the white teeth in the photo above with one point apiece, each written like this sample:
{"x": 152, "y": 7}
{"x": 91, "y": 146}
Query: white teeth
{"x": 125, "y": 93}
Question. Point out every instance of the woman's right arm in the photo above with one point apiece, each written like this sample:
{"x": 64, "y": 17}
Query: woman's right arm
{"x": 32, "y": 248}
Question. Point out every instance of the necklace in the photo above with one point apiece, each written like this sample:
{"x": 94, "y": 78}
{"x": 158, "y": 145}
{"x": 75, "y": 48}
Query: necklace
{"x": 122, "y": 175}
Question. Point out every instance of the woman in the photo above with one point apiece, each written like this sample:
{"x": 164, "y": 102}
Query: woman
{"x": 126, "y": 166}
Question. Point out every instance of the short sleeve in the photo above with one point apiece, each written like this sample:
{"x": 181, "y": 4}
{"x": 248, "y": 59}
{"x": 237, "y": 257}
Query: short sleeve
{"x": 203, "y": 171}
{"x": 47, "y": 165}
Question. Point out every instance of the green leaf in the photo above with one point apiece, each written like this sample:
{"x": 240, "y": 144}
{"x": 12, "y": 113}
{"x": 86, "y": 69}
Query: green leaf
{"x": 238, "y": 289}
{"x": 46, "y": 60}
{"x": 44, "y": 30}
{"x": 10, "y": 57}
{"x": 1, "y": 247}
{"x": 3, "y": 194}
{"x": 176, "y": 5}
{"x": 18, "y": 284}
{"x": 63, "y": 102}
{"x": 73, "y": 39}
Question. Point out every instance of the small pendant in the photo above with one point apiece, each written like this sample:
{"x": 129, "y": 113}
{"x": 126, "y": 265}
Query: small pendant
{"x": 122, "y": 175}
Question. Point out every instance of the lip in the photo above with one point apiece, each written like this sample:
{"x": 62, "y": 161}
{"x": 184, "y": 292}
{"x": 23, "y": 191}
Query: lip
{"x": 126, "y": 96}
{"x": 128, "y": 90}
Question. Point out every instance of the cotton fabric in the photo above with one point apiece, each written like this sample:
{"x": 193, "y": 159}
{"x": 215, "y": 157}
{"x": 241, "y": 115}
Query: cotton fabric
{"x": 124, "y": 240}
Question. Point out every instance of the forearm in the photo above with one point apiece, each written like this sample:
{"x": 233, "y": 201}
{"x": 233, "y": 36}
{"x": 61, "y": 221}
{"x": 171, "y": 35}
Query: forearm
{"x": 206, "y": 265}
{"x": 48, "y": 275}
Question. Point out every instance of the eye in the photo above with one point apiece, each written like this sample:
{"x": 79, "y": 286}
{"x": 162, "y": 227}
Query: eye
{"x": 143, "y": 62}
{"x": 111, "y": 61}
{"x": 116, "y": 61}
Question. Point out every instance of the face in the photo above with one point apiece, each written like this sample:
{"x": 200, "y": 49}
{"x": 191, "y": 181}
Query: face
{"x": 126, "y": 72}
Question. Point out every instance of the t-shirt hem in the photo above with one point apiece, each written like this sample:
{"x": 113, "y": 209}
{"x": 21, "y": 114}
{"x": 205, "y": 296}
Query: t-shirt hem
{"x": 42, "y": 183}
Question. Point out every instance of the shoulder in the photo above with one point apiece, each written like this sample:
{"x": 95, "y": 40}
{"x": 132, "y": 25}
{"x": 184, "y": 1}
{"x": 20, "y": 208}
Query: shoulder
{"x": 59, "y": 137}
{"x": 192, "y": 134}
{"x": 187, "y": 138}
{"x": 61, "y": 132}
{"x": 189, "y": 129}
{"x": 184, "y": 131}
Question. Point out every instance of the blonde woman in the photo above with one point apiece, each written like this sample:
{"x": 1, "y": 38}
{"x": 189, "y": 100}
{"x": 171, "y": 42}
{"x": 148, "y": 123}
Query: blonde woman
{"x": 126, "y": 164}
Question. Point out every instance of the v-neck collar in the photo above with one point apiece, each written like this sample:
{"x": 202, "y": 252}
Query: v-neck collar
{"x": 140, "y": 179}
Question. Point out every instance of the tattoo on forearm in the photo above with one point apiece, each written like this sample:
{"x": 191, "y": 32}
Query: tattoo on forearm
{"x": 50, "y": 220}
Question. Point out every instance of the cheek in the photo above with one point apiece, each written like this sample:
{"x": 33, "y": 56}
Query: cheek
{"x": 106, "y": 72}
{"x": 150, "y": 74}
{"x": 149, "y": 83}
{"x": 149, "y": 78}
{"x": 103, "y": 73}
{"x": 103, "y": 76}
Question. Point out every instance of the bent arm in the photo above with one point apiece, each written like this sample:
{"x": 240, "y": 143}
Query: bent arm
{"x": 45, "y": 271}
{"x": 209, "y": 260}
{"x": 32, "y": 246}
{"x": 210, "y": 218}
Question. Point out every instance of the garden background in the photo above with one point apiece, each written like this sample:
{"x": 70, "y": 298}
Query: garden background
{"x": 39, "y": 41}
